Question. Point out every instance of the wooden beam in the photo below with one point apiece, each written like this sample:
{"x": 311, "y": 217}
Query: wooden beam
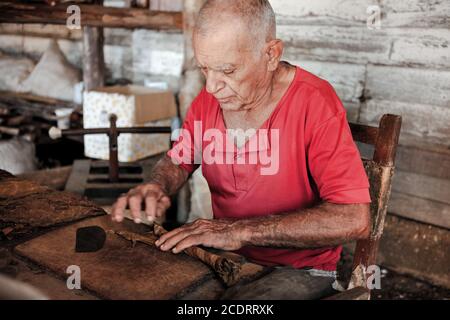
{"x": 93, "y": 56}
{"x": 191, "y": 84}
{"x": 91, "y": 15}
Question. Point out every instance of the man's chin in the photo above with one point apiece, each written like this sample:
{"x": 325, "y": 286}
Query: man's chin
{"x": 227, "y": 106}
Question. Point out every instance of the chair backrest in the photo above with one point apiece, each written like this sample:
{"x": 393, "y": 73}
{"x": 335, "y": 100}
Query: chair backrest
{"x": 380, "y": 171}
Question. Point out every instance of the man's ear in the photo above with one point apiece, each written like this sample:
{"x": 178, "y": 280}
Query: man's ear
{"x": 274, "y": 53}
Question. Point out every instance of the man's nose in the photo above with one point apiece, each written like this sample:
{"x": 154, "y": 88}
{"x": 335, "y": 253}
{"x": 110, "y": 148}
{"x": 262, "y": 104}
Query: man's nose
{"x": 213, "y": 82}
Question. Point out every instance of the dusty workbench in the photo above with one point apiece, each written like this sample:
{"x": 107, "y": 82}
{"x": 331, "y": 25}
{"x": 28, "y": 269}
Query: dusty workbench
{"x": 395, "y": 286}
{"x": 38, "y": 226}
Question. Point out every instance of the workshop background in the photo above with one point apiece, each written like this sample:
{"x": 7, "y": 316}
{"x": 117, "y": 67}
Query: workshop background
{"x": 399, "y": 66}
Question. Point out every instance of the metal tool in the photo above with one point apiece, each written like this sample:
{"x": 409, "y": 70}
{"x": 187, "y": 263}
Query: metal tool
{"x": 113, "y": 133}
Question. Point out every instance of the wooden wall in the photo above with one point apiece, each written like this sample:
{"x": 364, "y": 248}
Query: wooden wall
{"x": 402, "y": 68}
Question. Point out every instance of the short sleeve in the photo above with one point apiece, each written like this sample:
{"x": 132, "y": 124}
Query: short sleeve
{"x": 185, "y": 149}
{"x": 335, "y": 163}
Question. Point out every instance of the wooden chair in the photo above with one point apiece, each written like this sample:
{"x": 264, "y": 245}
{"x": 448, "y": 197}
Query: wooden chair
{"x": 380, "y": 170}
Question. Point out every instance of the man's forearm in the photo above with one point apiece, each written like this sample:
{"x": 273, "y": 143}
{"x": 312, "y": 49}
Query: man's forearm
{"x": 168, "y": 175}
{"x": 326, "y": 225}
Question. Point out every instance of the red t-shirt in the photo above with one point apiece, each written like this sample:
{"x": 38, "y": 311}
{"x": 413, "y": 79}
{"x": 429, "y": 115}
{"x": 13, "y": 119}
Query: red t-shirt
{"x": 317, "y": 161}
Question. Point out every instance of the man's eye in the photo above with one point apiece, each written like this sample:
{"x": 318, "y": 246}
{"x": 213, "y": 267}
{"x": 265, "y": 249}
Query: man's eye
{"x": 228, "y": 72}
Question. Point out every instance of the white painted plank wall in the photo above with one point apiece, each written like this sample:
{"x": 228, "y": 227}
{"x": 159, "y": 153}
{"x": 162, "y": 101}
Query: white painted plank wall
{"x": 403, "y": 68}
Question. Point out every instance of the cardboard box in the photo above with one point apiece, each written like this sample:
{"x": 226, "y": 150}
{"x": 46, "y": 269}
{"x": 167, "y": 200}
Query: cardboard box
{"x": 134, "y": 106}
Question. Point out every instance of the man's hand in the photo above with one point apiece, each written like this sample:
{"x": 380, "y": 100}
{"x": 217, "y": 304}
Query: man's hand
{"x": 219, "y": 234}
{"x": 156, "y": 203}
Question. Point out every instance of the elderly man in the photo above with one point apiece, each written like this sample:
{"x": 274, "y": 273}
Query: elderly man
{"x": 293, "y": 217}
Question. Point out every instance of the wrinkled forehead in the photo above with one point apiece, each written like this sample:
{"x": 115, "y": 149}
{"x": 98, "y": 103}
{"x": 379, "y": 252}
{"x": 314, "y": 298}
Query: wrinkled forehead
{"x": 229, "y": 44}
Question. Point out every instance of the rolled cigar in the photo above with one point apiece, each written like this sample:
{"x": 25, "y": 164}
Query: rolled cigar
{"x": 227, "y": 269}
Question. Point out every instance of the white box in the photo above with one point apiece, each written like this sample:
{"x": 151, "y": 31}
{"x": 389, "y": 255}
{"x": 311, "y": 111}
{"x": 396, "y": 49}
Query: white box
{"x": 134, "y": 106}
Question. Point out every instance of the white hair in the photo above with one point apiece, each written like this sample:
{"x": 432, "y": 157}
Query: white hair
{"x": 257, "y": 15}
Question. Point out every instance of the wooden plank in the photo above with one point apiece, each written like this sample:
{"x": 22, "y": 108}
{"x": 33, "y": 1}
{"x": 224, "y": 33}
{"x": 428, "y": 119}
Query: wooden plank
{"x": 347, "y": 79}
{"x": 328, "y": 12}
{"x": 425, "y": 121}
{"x": 393, "y": 46}
{"x": 93, "y": 15}
{"x": 421, "y": 186}
{"x": 118, "y": 271}
{"x": 416, "y": 13}
{"x": 424, "y": 86}
{"x": 416, "y": 249}
{"x": 422, "y": 210}
{"x": 334, "y": 43}
{"x": 425, "y": 162}
{"x": 401, "y": 13}
{"x": 426, "y": 47}
{"x": 410, "y": 140}
{"x": 78, "y": 177}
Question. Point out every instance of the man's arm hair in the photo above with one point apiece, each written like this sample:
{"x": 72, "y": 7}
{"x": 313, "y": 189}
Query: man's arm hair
{"x": 326, "y": 225}
{"x": 168, "y": 175}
